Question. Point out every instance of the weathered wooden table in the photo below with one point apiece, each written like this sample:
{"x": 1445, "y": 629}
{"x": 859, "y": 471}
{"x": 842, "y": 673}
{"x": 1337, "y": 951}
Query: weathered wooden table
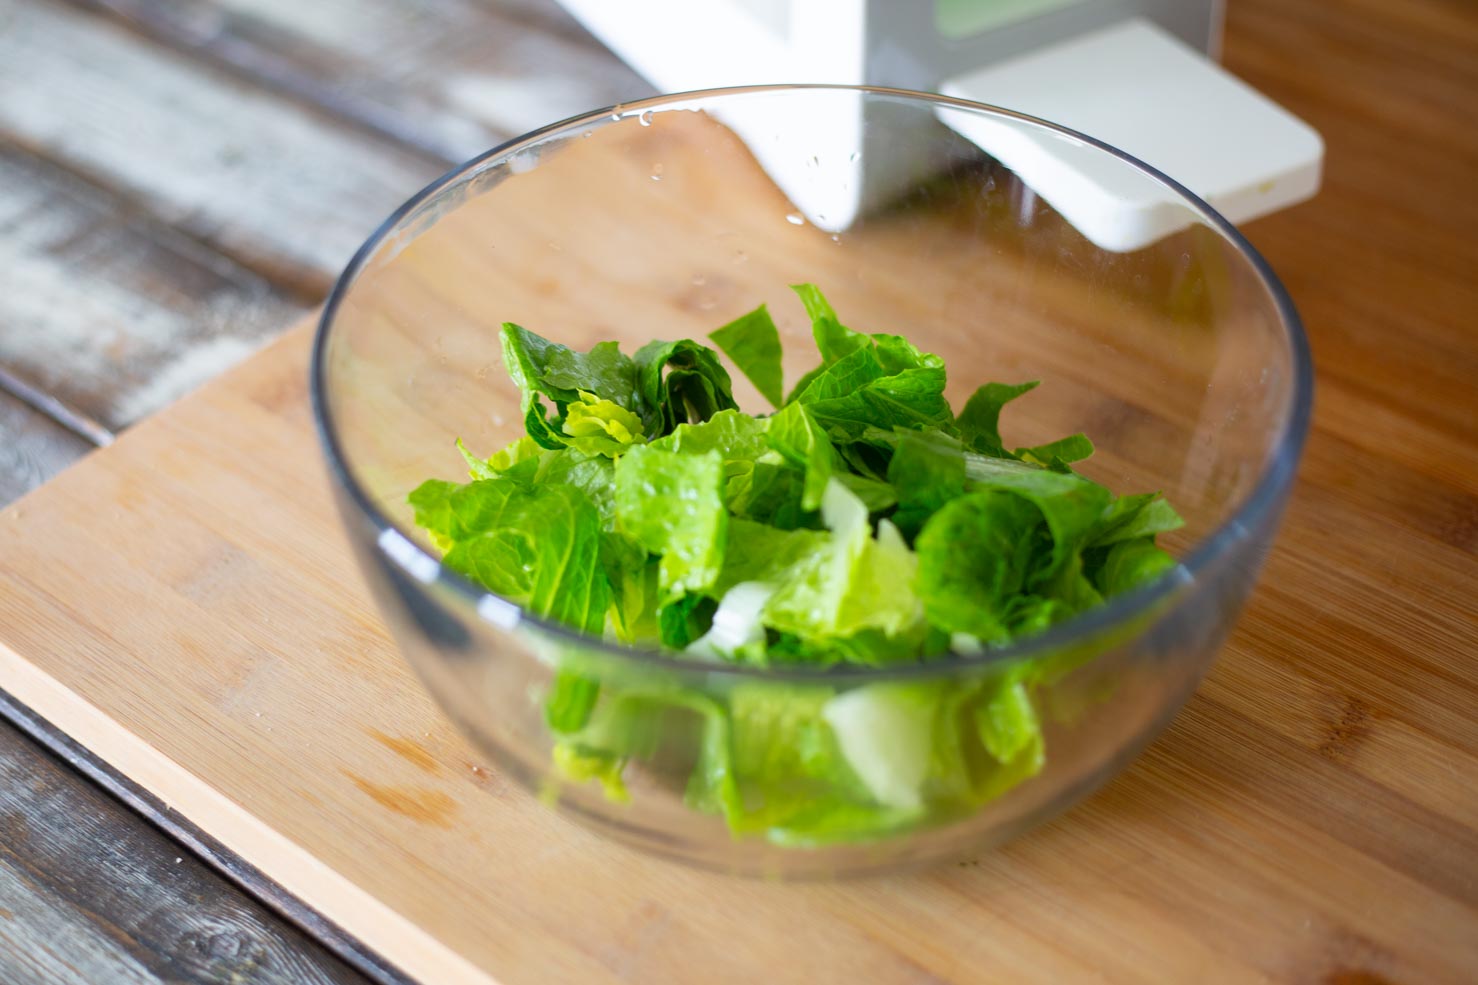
{"x": 180, "y": 177}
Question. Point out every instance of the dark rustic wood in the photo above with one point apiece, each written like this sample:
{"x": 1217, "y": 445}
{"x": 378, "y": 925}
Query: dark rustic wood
{"x": 284, "y": 189}
{"x": 451, "y": 78}
{"x": 33, "y": 448}
{"x": 109, "y": 311}
{"x": 88, "y": 894}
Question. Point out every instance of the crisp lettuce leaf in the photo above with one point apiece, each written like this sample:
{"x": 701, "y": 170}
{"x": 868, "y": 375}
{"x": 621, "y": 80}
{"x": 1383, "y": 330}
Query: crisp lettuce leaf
{"x": 570, "y": 700}
{"x": 886, "y": 732}
{"x": 913, "y": 398}
{"x": 896, "y": 354}
{"x": 731, "y": 433}
{"x": 845, "y": 376}
{"x": 672, "y": 504}
{"x": 980, "y": 421}
{"x": 517, "y": 452}
{"x": 1133, "y": 517}
{"x": 539, "y": 550}
{"x": 757, "y": 552}
{"x": 852, "y": 582}
{"x": 753, "y": 343}
{"x": 603, "y": 371}
{"x": 1130, "y": 564}
{"x": 862, "y": 523}
{"x": 593, "y": 475}
{"x": 974, "y": 556}
{"x": 597, "y": 426}
{"x": 542, "y": 368}
{"x": 680, "y": 383}
{"x": 1058, "y": 454}
{"x": 1071, "y": 505}
{"x": 927, "y": 470}
{"x": 769, "y": 489}
{"x": 799, "y": 439}
{"x": 833, "y": 339}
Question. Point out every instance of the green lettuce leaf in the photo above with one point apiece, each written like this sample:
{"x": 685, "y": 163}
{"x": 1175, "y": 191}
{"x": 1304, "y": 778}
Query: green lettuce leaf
{"x": 603, "y": 371}
{"x": 913, "y": 398}
{"x": 1133, "y": 517}
{"x": 542, "y": 368}
{"x": 974, "y": 556}
{"x": 979, "y": 422}
{"x": 927, "y": 470}
{"x": 795, "y": 434}
{"x": 851, "y": 583}
{"x": 1130, "y": 564}
{"x": 680, "y": 383}
{"x": 1071, "y": 504}
{"x": 672, "y": 504}
{"x": 753, "y": 342}
{"x": 833, "y": 339}
{"x": 1057, "y": 454}
{"x": 541, "y": 551}
{"x": 598, "y": 426}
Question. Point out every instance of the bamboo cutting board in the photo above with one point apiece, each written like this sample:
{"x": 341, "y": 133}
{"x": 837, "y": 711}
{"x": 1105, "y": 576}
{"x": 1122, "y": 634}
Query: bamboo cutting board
{"x": 183, "y": 604}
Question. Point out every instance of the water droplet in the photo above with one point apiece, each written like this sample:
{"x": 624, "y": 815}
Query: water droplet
{"x": 556, "y": 247}
{"x": 741, "y": 257}
{"x": 588, "y": 133}
{"x": 656, "y": 177}
{"x": 796, "y": 219}
{"x": 645, "y": 119}
{"x": 699, "y": 280}
{"x": 835, "y": 238}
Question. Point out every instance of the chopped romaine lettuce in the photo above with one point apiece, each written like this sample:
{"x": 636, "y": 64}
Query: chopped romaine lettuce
{"x": 861, "y": 523}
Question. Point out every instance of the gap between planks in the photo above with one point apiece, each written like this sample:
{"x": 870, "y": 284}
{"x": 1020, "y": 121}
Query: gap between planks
{"x": 225, "y": 862}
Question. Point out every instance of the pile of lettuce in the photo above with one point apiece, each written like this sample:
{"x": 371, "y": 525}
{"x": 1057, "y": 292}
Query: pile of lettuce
{"x": 863, "y": 522}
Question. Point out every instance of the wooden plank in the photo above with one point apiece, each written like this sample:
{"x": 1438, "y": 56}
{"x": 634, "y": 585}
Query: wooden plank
{"x": 111, "y": 312}
{"x": 33, "y": 448}
{"x": 1306, "y": 819}
{"x": 452, "y": 79}
{"x": 90, "y": 894}
{"x": 282, "y": 189}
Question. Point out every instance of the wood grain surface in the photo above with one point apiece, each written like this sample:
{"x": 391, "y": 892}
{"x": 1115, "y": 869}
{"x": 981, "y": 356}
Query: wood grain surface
{"x": 276, "y": 189}
{"x": 451, "y": 78}
{"x": 110, "y": 312}
{"x": 1305, "y": 818}
{"x": 118, "y": 293}
{"x": 33, "y": 448}
{"x": 64, "y": 860}
{"x": 1386, "y": 253}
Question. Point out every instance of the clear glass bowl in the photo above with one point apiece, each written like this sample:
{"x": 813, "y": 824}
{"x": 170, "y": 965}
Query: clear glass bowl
{"x": 1014, "y": 249}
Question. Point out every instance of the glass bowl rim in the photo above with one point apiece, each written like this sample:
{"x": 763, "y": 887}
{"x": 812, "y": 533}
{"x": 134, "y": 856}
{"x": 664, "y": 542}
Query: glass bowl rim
{"x": 1274, "y": 480}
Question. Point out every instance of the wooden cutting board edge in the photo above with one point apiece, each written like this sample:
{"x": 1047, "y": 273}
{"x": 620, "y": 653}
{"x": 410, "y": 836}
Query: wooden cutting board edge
{"x": 402, "y": 951}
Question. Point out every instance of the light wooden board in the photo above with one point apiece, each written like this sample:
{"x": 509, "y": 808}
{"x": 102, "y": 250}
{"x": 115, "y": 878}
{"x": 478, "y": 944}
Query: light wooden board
{"x": 183, "y": 603}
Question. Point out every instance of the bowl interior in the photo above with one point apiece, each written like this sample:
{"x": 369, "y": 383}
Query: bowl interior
{"x": 663, "y": 222}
